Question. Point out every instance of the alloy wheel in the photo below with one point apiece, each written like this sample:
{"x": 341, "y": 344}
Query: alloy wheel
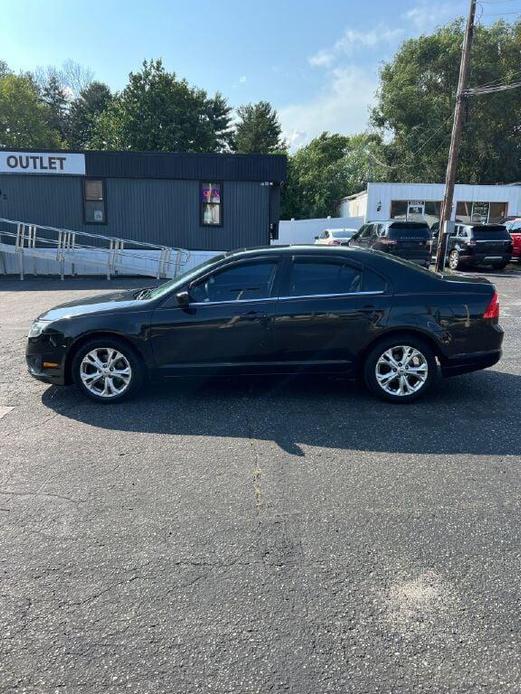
{"x": 401, "y": 370}
{"x": 454, "y": 260}
{"x": 105, "y": 372}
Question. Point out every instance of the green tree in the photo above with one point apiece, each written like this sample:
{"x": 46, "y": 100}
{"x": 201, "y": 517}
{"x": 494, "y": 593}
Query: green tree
{"x": 54, "y": 96}
{"x": 158, "y": 111}
{"x": 24, "y": 118}
{"x": 258, "y": 130}
{"x": 84, "y": 112}
{"x": 327, "y": 169}
{"x": 416, "y": 103}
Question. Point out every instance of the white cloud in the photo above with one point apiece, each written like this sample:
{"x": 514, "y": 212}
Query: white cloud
{"x": 342, "y": 106}
{"x": 352, "y": 39}
{"x": 426, "y": 16}
{"x": 243, "y": 79}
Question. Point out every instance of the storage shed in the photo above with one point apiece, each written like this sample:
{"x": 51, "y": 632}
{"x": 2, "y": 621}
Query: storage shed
{"x": 193, "y": 201}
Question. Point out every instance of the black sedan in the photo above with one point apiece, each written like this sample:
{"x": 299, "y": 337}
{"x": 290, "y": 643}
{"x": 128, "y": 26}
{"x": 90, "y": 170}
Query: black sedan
{"x": 275, "y": 310}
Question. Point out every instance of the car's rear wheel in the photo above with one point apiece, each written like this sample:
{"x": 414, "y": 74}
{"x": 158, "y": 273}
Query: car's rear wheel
{"x": 500, "y": 266}
{"x": 454, "y": 262}
{"x": 400, "y": 369}
{"x": 107, "y": 370}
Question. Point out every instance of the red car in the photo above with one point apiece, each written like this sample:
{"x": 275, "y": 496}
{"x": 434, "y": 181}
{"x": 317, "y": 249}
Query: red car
{"x": 514, "y": 229}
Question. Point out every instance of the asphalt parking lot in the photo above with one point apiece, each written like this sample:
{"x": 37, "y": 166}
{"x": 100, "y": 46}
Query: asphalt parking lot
{"x": 269, "y": 536}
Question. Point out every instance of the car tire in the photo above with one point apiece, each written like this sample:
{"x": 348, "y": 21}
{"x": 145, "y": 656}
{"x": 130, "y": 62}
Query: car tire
{"x": 500, "y": 266}
{"x": 107, "y": 370}
{"x": 453, "y": 260}
{"x": 400, "y": 369}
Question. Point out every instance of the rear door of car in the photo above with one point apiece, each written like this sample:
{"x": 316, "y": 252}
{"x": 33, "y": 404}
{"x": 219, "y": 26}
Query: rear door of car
{"x": 328, "y": 307}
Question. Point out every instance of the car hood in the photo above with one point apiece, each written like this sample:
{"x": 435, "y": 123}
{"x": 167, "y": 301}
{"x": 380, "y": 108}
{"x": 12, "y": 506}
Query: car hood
{"x": 104, "y": 303}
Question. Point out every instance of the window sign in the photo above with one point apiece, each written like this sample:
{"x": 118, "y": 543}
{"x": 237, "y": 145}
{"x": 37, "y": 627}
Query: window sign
{"x": 211, "y": 204}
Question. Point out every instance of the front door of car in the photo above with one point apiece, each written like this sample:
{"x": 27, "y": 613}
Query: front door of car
{"x": 363, "y": 236}
{"x": 327, "y": 308}
{"x": 226, "y": 325}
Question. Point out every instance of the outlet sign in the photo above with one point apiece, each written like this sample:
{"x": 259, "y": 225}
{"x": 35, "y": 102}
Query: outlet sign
{"x": 59, "y": 163}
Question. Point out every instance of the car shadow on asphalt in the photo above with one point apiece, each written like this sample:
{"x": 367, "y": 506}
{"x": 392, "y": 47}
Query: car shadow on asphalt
{"x": 472, "y": 414}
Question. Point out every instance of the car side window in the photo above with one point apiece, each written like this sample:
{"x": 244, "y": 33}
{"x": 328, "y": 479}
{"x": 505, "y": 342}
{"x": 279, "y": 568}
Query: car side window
{"x": 367, "y": 230}
{"x": 326, "y": 234}
{"x": 310, "y": 276}
{"x": 380, "y": 230}
{"x": 238, "y": 283}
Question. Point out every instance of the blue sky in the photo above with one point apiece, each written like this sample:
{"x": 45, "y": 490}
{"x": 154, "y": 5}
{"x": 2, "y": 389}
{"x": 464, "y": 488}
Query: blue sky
{"x": 316, "y": 61}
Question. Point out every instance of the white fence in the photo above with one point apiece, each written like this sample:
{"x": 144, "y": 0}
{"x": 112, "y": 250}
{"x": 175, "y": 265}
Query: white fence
{"x": 305, "y": 230}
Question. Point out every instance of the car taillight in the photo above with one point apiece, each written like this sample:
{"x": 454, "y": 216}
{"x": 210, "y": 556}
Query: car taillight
{"x": 492, "y": 310}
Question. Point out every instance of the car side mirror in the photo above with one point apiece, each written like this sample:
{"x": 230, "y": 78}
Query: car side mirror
{"x": 183, "y": 298}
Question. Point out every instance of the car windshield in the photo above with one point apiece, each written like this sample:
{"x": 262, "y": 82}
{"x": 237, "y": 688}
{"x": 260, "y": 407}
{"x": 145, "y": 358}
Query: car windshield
{"x": 172, "y": 284}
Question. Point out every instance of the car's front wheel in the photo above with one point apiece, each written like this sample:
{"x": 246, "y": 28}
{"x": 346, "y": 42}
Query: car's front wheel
{"x": 400, "y": 369}
{"x": 107, "y": 370}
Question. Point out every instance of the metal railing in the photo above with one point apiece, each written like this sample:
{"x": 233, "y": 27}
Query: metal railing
{"x": 113, "y": 256}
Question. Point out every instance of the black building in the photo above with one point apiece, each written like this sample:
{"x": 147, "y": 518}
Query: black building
{"x": 193, "y": 201}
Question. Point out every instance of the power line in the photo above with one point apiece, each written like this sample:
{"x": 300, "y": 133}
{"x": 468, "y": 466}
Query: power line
{"x": 416, "y": 151}
{"x": 484, "y": 15}
{"x": 474, "y": 91}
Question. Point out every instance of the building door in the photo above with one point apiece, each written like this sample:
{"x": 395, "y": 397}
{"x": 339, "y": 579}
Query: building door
{"x": 415, "y": 211}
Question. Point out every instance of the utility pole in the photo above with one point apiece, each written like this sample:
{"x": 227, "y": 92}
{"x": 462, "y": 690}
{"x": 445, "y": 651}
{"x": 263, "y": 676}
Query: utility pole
{"x": 446, "y": 208}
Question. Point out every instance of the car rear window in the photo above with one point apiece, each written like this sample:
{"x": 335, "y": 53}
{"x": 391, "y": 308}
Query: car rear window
{"x": 490, "y": 232}
{"x": 409, "y": 231}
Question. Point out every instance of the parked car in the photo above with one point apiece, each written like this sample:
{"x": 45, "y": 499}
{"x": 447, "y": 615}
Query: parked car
{"x": 514, "y": 229}
{"x": 277, "y": 310}
{"x": 472, "y": 245}
{"x": 409, "y": 240}
{"x": 335, "y": 237}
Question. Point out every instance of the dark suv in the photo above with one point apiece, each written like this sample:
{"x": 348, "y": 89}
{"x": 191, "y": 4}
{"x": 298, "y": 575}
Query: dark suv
{"x": 408, "y": 240}
{"x": 479, "y": 244}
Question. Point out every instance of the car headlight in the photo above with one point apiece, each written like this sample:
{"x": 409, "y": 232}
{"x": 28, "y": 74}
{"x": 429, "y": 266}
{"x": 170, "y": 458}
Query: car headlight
{"x": 37, "y": 328}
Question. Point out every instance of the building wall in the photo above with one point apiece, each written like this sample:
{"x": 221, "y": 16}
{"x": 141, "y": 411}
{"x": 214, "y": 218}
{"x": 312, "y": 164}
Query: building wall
{"x": 356, "y": 207}
{"x": 380, "y": 196}
{"x": 157, "y": 211}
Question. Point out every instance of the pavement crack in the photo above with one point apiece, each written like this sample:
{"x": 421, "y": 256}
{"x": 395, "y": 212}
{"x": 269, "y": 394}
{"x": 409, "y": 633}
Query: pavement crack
{"x": 8, "y": 492}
